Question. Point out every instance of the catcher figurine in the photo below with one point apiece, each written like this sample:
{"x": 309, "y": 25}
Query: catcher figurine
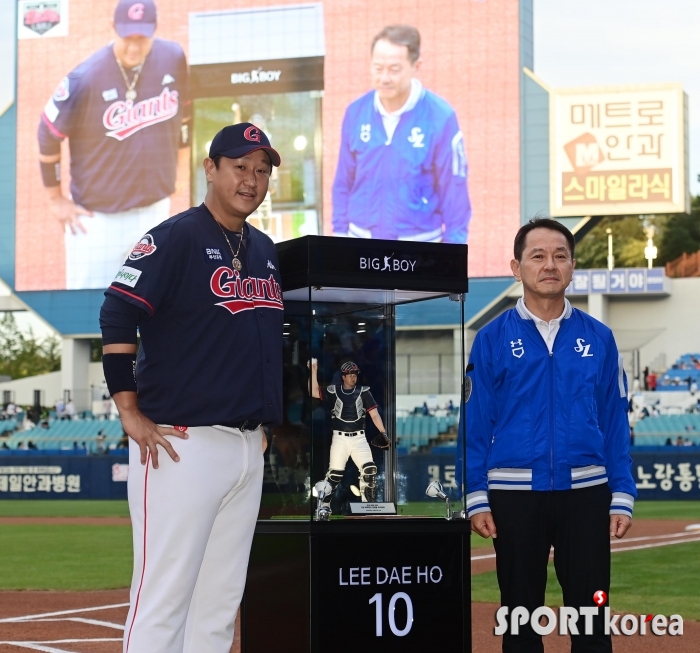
{"x": 349, "y": 403}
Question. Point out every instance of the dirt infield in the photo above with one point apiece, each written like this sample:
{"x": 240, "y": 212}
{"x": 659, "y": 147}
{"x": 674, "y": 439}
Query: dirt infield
{"x": 65, "y": 622}
{"x": 92, "y": 622}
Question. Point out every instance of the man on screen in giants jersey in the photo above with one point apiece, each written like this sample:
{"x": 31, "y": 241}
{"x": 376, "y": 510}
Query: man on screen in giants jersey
{"x": 125, "y": 113}
{"x": 402, "y": 169}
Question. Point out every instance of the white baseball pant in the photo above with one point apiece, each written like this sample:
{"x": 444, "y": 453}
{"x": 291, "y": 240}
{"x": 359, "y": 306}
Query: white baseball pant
{"x": 193, "y": 524}
{"x": 355, "y": 447}
{"x": 93, "y": 258}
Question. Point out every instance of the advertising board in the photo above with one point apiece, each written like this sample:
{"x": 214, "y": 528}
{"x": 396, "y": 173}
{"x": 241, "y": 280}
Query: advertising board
{"x": 619, "y": 150}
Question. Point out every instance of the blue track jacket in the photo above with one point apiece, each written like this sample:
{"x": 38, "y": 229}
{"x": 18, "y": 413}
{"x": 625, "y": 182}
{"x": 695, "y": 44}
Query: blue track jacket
{"x": 413, "y": 187}
{"x": 542, "y": 422}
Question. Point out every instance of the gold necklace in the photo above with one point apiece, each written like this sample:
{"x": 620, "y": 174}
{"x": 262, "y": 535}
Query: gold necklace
{"x": 130, "y": 92}
{"x": 237, "y": 265}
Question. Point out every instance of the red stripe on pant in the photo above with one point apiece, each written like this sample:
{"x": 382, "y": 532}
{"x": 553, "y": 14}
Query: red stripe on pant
{"x": 143, "y": 570}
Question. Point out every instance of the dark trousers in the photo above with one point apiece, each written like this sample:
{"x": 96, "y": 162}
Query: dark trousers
{"x": 576, "y": 524}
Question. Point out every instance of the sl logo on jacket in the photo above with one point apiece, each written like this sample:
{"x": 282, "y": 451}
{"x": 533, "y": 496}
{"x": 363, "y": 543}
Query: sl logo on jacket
{"x": 416, "y": 137}
{"x": 581, "y": 347}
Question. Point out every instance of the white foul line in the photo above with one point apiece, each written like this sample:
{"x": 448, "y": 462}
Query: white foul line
{"x": 630, "y": 548}
{"x": 92, "y": 622}
{"x": 37, "y": 647}
{"x": 653, "y": 546}
{"x": 652, "y": 537}
{"x": 40, "y": 646}
{"x": 62, "y": 612}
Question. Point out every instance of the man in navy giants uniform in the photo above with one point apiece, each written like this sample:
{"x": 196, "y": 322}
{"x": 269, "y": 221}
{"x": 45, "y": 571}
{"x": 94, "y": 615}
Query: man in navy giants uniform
{"x": 402, "y": 130}
{"x": 349, "y": 403}
{"x": 124, "y": 112}
{"x": 204, "y": 290}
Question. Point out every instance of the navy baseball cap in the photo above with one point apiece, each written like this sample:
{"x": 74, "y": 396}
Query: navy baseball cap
{"x": 135, "y": 18}
{"x": 238, "y": 140}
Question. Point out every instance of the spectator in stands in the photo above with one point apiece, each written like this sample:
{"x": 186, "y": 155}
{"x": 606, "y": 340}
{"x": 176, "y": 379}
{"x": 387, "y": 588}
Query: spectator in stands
{"x": 75, "y": 445}
{"x": 70, "y": 409}
{"x": 451, "y": 406}
{"x": 689, "y": 381}
{"x": 644, "y": 412}
{"x": 124, "y": 442}
{"x": 690, "y": 427}
{"x": 651, "y": 382}
{"x": 31, "y": 445}
{"x": 44, "y": 424}
{"x": 101, "y": 437}
{"x": 60, "y": 408}
{"x": 646, "y": 378}
{"x": 106, "y": 405}
{"x": 669, "y": 442}
{"x": 426, "y": 410}
{"x": 687, "y": 442}
{"x": 22, "y": 446}
{"x": 5, "y": 445}
{"x": 693, "y": 387}
{"x": 11, "y": 409}
{"x": 679, "y": 441}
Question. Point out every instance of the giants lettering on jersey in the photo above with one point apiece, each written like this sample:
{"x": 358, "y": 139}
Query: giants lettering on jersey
{"x": 249, "y": 293}
{"x": 124, "y": 118}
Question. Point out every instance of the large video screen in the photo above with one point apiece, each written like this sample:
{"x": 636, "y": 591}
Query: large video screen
{"x": 394, "y": 120}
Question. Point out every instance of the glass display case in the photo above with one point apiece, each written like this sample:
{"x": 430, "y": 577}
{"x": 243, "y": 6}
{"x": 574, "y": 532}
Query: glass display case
{"x": 373, "y": 343}
{"x": 407, "y": 342}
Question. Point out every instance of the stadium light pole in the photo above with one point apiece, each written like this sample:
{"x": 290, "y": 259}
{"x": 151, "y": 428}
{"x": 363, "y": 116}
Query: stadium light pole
{"x": 611, "y": 258}
{"x": 650, "y": 251}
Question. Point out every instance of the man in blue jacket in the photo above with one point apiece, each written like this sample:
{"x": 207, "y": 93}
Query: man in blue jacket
{"x": 405, "y": 131}
{"x": 548, "y": 460}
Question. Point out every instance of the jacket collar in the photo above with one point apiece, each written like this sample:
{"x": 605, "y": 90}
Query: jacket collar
{"x": 525, "y": 314}
{"x": 413, "y": 97}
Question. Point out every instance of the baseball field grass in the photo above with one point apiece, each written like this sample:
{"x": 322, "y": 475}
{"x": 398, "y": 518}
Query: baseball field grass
{"x": 64, "y": 557}
{"x": 63, "y": 508}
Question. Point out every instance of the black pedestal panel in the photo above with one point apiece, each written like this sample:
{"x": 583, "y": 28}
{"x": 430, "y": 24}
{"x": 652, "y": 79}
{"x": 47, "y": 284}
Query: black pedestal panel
{"x": 275, "y": 608}
{"x": 358, "y": 585}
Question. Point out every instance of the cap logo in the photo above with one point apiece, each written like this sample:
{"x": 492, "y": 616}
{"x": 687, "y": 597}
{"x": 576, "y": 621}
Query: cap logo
{"x": 136, "y": 11}
{"x": 252, "y": 134}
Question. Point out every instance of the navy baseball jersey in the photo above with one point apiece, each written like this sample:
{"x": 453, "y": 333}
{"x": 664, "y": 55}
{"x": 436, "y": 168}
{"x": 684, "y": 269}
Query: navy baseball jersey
{"x": 211, "y": 337}
{"x": 123, "y": 152}
{"x": 348, "y": 407}
{"x": 410, "y": 187}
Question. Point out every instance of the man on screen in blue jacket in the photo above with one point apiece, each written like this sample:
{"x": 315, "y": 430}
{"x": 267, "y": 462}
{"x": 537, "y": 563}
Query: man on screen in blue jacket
{"x": 403, "y": 132}
{"x": 548, "y": 461}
